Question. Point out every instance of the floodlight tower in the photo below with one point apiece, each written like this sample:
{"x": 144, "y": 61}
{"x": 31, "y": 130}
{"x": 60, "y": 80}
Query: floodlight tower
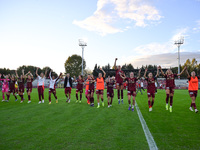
{"x": 82, "y": 44}
{"x": 178, "y": 43}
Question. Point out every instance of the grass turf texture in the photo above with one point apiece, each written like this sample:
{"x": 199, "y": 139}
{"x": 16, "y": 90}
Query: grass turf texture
{"x": 78, "y": 126}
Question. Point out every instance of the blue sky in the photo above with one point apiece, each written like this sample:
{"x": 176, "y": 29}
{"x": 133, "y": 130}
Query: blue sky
{"x": 45, "y": 32}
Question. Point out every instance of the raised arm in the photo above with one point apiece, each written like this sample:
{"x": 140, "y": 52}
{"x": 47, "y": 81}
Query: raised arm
{"x": 23, "y": 73}
{"x": 104, "y": 74}
{"x": 157, "y": 72}
{"x": 50, "y": 75}
{"x": 16, "y": 74}
{"x": 37, "y": 72}
{"x": 161, "y": 71}
{"x": 187, "y": 73}
{"x": 182, "y": 71}
{"x": 115, "y": 67}
{"x": 145, "y": 73}
{"x": 139, "y": 74}
{"x": 45, "y": 73}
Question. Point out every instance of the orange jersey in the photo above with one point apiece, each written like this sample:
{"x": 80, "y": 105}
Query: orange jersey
{"x": 100, "y": 83}
{"x": 193, "y": 84}
{"x": 87, "y": 85}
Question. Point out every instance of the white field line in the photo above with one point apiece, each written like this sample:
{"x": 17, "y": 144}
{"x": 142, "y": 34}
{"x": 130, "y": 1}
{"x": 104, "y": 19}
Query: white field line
{"x": 149, "y": 137}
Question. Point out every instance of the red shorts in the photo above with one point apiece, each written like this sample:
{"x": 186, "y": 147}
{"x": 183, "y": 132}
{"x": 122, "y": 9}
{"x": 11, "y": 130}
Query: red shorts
{"x": 52, "y": 91}
{"x": 132, "y": 93}
{"x": 28, "y": 90}
{"x": 119, "y": 83}
{"x": 21, "y": 90}
{"x": 90, "y": 91}
{"x": 193, "y": 93}
{"x": 68, "y": 90}
{"x": 110, "y": 93}
{"x": 171, "y": 89}
{"x": 40, "y": 90}
{"x": 151, "y": 94}
{"x": 79, "y": 90}
{"x": 100, "y": 92}
{"x": 11, "y": 90}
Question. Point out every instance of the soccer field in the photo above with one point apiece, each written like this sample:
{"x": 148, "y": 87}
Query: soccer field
{"x": 79, "y": 126}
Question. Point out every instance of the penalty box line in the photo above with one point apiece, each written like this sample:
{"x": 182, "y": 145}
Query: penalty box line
{"x": 148, "y": 135}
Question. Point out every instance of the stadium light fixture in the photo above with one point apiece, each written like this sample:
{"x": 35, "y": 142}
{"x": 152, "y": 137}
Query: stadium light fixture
{"x": 82, "y": 44}
{"x": 178, "y": 43}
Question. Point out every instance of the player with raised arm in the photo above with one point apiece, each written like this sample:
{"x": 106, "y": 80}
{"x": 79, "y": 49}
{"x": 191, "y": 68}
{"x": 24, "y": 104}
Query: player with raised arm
{"x": 29, "y": 80}
{"x": 68, "y": 87}
{"x": 193, "y": 89}
{"x": 52, "y": 86}
{"x": 11, "y": 87}
{"x": 151, "y": 89}
{"x": 21, "y": 85}
{"x": 170, "y": 85}
{"x": 110, "y": 81}
{"x": 41, "y": 78}
{"x": 131, "y": 81}
{"x": 100, "y": 87}
{"x": 119, "y": 81}
{"x": 91, "y": 90}
{"x": 5, "y": 86}
{"x": 79, "y": 87}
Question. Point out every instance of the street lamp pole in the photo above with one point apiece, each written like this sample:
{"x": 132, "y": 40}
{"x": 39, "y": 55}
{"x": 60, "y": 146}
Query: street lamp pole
{"x": 82, "y": 44}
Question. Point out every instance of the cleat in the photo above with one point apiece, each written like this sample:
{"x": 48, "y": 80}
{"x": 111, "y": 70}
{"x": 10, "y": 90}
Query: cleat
{"x": 21, "y": 101}
{"x": 150, "y": 109}
{"x": 196, "y": 111}
{"x": 166, "y": 107}
{"x": 129, "y": 108}
{"x": 191, "y": 109}
{"x": 29, "y": 102}
{"x": 16, "y": 100}
{"x": 56, "y": 101}
{"x": 6, "y": 100}
{"x": 42, "y": 101}
{"x": 76, "y": 101}
{"x": 170, "y": 109}
{"x": 109, "y": 106}
{"x": 103, "y": 104}
{"x": 98, "y": 106}
{"x": 122, "y": 101}
{"x": 39, "y": 102}
{"x": 68, "y": 101}
{"x": 49, "y": 102}
{"x": 3, "y": 100}
{"x": 132, "y": 109}
{"x": 118, "y": 101}
{"x": 92, "y": 105}
{"x": 79, "y": 101}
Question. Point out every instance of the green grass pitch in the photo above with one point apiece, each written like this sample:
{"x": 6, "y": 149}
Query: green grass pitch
{"x": 78, "y": 126}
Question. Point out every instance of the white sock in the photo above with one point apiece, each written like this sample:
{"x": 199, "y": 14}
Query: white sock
{"x": 195, "y": 109}
{"x": 98, "y": 104}
{"x": 118, "y": 99}
{"x": 170, "y": 106}
{"x": 129, "y": 105}
{"x": 122, "y": 99}
{"x": 166, "y": 103}
{"x": 133, "y": 106}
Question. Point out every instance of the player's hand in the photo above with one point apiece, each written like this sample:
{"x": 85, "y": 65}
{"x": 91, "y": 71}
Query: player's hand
{"x": 146, "y": 70}
{"x": 100, "y": 68}
{"x": 140, "y": 70}
{"x": 116, "y": 58}
{"x": 29, "y": 72}
{"x": 185, "y": 67}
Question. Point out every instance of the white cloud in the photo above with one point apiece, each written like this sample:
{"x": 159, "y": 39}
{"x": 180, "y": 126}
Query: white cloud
{"x": 110, "y": 12}
{"x": 197, "y": 28}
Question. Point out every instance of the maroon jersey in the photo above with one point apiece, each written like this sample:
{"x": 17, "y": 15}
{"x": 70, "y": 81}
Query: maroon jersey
{"x": 118, "y": 77}
{"x": 131, "y": 83}
{"x": 29, "y": 83}
{"x": 91, "y": 84}
{"x": 12, "y": 84}
{"x": 170, "y": 80}
{"x": 21, "y": 83}
{"x": 110, "y": 85}
{"x": 80, "y": 84}
{"x": 151, "y": 84}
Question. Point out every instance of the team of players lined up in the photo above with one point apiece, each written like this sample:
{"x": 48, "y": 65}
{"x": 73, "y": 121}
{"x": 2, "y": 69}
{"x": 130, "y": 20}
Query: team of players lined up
{"x": 9, "y": 87}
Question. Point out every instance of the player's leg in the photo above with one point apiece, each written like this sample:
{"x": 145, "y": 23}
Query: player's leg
{"x": 171, "y": 99}
{"x": 49, "y": 96}
{"x": 133, "y": 102}
{"x": 92, "y": 98}
{"x": 29, "y": 95}
{"x": 122, "y": 94}
{"x": 69, "y": 95}
{"x": 102, "y": 100}
{"x": 129, "y": 101}
{"x": 108, "y": 100}
{"x": 118, "y": 92}
{"x": 21, "y": 95}
{"x": 98, "y": 99}
{"x": 3, "y": 95}
{"x": 39, "y": 94}
{"x": 167, "y": 97}
{"x": 66, "y": 94}
{"x": 54, "y": 93}
{"x": 81, "y": 91}
{"x": 77, "y": 95}
{"x": 15, "y": 96}
{"x": 8, "y": 96}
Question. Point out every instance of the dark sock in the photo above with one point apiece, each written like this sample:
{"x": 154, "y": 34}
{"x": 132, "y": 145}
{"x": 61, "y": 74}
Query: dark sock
{"x": 22, "y": 97}
{"x": 15, "y": 97}
{"x": 129, "y": 102}
{"x": 152, "y": 102}
{"x": 167, "y": 98}
{"x": 42, "y": 95}
{"x": 76, "y": 96}
{"x": 118, "y": 94}
{"x": 80, "y": 97}
{"x": 102, "y": 99}
{"x": 122, "y": 94}
{"x": 171, "y": 100}
{"x": 55, "y": 95}
{"x": 149, "y": 103}
{"x": 191, "y": 105}
{"x": 39, "y": 97}
{"x": 111, "y": 101}
{"x": 29, "y": 97}
{"x": 8, "y": 96}
{"x": 49, "y": 98}
{"x": 194, "y": 106}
